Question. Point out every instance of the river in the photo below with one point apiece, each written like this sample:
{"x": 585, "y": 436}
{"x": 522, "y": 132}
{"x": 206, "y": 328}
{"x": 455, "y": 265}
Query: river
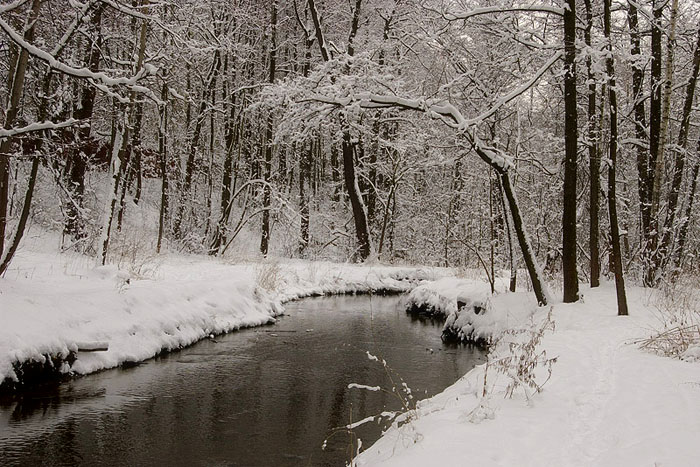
{"x": 265, "y": 396}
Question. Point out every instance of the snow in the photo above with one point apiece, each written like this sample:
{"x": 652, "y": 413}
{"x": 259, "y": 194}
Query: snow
{"x": 608, "y": 403}
{"x": 482, "y": 317}
{"x": 52, "y": 304}
{"x": 440, "y": 297}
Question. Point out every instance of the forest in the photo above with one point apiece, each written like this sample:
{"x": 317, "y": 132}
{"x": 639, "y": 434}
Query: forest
{"x": 548, "y": 136}
{"x": 518, "y": 176}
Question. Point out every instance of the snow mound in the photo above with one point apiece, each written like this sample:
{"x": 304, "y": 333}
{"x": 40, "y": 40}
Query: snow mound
{"x": 439, "y": 298}
{"x": 471, "y": 312}
{"x": 481, "y": 319}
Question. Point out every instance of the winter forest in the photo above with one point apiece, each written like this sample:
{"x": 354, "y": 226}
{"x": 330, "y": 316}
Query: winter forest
{"x": 268, "y": 150}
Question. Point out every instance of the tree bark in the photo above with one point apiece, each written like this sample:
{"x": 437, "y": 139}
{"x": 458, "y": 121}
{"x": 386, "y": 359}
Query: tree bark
{"x": 679, "y": 160}
{"x": 163, "y": 159}
{"x": 612, "y": 195}
{"x": 267, "y": 190}
{"x": 533, "y": 269}
{"x": 645, "y": 174}
{"x": 593, "y": 159}
{"x": 121, "y": 136}
{"x": 18, "y": 75}
{"x": 655, "y": 149}
{"x": 304, "y": 176}
{"x": 683, "y": 230}
{"x": 570, "y": 164}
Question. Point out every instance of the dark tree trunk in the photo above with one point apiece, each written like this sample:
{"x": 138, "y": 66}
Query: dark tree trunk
{"x": 358, "y": 208}
{"x": 230, "y": 141}
{"x": 163, "y": 158}
{"x": 267, "y": 189}
{"x": 612, "y": 196}
{"x": 651, "y": 249}
{"x": 535, "y": 274}
{"x": 683, "y": 230}
{"x": 679, "y": 160}
{"x": 7, "y": 256}
{"x": 194, "y": 142}
{"x": 304, "y": 177}
{"x": 335, "y": 171}
{"x": 570, "y": 164}
{"x": 10, "y": 116}
{"x": 593, "y": 159}
{"x": 645, "y": 179}
{"x": 347, "y": 146}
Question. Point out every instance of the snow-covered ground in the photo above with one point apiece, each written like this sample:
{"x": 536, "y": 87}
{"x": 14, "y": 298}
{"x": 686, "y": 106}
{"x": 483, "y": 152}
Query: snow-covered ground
{"x": 52, "y": 304}
{"x": 607, "y": 403}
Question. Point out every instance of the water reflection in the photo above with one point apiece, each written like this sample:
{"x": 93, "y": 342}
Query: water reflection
{"x": 265, "y": 396}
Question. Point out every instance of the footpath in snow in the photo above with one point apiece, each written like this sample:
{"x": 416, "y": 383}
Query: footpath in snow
{"x": 60, "y": 305}
{"x": 607, "y": 402}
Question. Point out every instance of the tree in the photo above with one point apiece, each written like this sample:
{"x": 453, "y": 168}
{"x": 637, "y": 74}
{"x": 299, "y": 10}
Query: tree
{"x": 569, "y": 245}
{"x": 612, "y": 169}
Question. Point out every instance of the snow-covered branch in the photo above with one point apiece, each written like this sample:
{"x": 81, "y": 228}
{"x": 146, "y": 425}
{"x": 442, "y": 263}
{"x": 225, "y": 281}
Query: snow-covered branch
{"x": 98, "y": 78}
{"x": 518, "y": 91}
{"x": 37, "y": 126}
{"x": 12, "y": 6}
{"x": 443, "y": 110}
{"x": 497, "y": 9}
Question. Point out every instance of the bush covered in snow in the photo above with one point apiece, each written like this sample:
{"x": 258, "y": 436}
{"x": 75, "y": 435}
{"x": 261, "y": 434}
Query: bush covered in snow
{"x": 471, "y": 312}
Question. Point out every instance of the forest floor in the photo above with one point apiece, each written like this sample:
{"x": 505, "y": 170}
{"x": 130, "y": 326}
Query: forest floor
{"x": 607, "y": 403}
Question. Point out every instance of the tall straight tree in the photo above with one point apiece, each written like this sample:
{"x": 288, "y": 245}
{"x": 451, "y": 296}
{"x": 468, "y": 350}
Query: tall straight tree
{"x": 612, "y": 167}
{"x": 593, "y": 157}
{"x": 570, "y": 166}
{"x": 267, "y": 190}
{"x": 644, "y": 170}
{"x": 679, "y": 160}
{"x": 655, "y": 148}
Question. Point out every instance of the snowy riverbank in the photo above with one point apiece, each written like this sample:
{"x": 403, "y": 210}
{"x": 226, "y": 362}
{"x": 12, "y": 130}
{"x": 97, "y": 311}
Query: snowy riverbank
{"x": 58, "y": 304}
{"x": 607, "y": 402}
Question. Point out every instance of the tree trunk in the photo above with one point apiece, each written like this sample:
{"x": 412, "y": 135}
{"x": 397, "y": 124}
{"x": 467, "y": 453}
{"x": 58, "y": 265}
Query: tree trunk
{"x": 679, "y": 160}
{"x": 683, "y": 230}
{"x": 304, "y": 176}
{"x": 8, "y": 254}
{"x": 593, "y": 159}
{"x": 655, "y": 149}
{"x": 267, "y": 189}
{"x": 612, "y": 196}
{"x": 163, "y": 158}
{"x": 359, "y": 211}
{"x": 509, "y": 235}
{"x": 121, "y": 136}
{"x": 645, "y": 181}
{"x": 570, "y": 166}
{"x": 230, "y": 141}
{"x": 194, "y": 142}
{"x": 533, "y": 269}
{"x": 10, "y": 116}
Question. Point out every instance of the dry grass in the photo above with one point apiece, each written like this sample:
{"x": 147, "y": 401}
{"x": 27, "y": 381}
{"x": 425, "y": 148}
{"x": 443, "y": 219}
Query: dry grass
{"x": 269, "y": 276}
{"x": 677, "y": 307}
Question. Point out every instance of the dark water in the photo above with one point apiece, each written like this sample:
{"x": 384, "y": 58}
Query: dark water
{"x": 265, "y": 396}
